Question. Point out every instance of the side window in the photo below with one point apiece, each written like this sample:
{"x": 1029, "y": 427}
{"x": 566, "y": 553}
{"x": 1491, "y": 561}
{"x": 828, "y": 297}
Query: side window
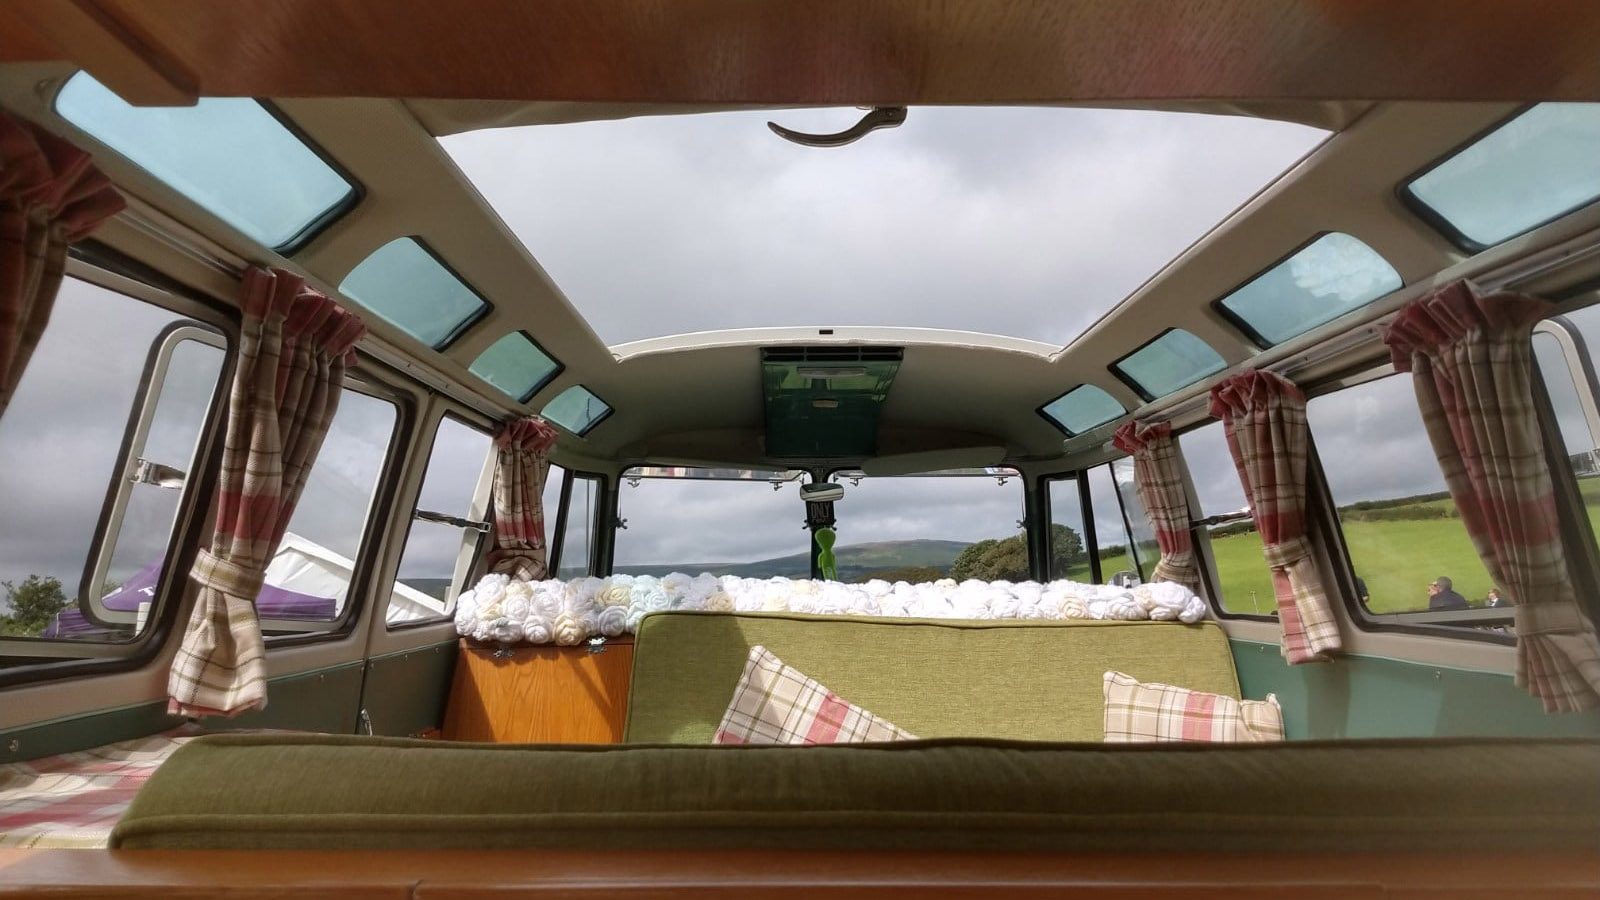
{"x": 1069, "y": 547}
{"x": 553, "y": 481}
{"x": 448, "y": 524}
{"x": 308, "y": 581}
{"x": 1112, "y": 540}
{"x": 1565, "y": 349}
{"x": 573, "y": 561}
{"x": 1410, "y": 557}
{"x": 1243, "y": 583}
{"x": 98, "y": 443}
{"x": 1146, "y": 552}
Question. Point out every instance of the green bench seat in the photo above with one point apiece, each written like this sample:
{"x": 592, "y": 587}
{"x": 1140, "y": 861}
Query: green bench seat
{"x": 287, "y": 791}
{"x": 1019, "y": 679}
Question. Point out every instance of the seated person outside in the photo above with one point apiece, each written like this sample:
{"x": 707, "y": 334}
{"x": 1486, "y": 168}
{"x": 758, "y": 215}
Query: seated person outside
{"x": 1441, "y": 595}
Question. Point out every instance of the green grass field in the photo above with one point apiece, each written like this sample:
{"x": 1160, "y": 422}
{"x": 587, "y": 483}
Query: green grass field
{"x": 1397, "y": 559}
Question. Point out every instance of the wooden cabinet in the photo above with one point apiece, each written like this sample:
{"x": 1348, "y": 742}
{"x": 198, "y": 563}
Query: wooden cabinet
{"x": 540, "y": 694}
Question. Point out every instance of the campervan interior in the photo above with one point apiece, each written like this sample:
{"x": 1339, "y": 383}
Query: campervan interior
{"x": 447, "y": 416}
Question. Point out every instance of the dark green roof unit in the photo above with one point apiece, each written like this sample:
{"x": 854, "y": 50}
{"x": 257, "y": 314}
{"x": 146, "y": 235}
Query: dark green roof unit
{"x": 822, "y": 402}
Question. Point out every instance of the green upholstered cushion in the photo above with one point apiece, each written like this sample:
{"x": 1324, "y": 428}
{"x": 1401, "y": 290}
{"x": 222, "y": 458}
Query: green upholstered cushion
{"x": 1025, "y": 680}
{"x": 341, "y": 792}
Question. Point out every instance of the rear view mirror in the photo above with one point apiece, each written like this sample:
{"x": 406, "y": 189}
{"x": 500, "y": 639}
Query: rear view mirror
{"x": 825, "y": 492}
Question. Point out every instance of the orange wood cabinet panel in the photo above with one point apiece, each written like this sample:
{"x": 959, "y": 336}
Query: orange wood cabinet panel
{"x": 540, "y": 694}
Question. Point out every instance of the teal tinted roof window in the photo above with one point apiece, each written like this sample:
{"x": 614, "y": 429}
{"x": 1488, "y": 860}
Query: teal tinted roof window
{"x": 517, "y": 365}
{"x": 1173, "y": 360}
{"x": 230, "y": 155}
{"x": 576, "y": 409}
{"x": 1532, "y": 169}
{"x": 1325, "y": 279}
{"x": 408, "y": 286}
{"x": 1081, "y": 409}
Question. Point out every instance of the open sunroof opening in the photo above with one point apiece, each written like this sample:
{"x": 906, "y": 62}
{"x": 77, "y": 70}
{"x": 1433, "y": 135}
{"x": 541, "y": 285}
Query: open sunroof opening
{"x": 1531, "y": 169}
{"x": 404, "y": 283}
{"x": 230, "y": 155}
{"x": 1174, "y": 360}
{"x": 1323, "y": 280}
{"x": 1082, "y": 408}
{"x": 517, "y": 365}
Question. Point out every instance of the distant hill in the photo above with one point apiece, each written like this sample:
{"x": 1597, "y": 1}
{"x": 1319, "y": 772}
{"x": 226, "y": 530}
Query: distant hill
{"x": 854, "y": 560}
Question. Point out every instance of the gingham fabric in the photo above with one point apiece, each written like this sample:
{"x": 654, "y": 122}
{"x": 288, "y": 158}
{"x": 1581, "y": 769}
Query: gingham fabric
{"x": 1138, "y": 713}
{"x": 522, "y": 462}
{"x": 293, "y": 351}
{"x": 50, "y": 196}
{"x": 1471, "y": 361}
{"x": 1158, "y": 479}
{"x": 72, "y": 800}
{"x": 777, "y": 704}
{"x": 1264, "y": 417}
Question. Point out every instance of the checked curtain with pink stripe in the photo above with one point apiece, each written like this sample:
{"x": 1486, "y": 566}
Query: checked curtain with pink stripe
{"x": 1264, "y": 417}
{"x": 522, "y": 463}
{"x": 1471, "y": 362}
{"x": 294, "y": 347}
{"x": 1159, "y": 481}
{"x": 50, "y": 196}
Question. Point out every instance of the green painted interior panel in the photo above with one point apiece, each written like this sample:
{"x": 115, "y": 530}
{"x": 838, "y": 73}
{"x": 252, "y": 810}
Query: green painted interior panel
{"x": 822, "y": 402}
{"x": 323, "y": 700}
{"x": 1368, "y": 696}
{"x": 406, "y": 692}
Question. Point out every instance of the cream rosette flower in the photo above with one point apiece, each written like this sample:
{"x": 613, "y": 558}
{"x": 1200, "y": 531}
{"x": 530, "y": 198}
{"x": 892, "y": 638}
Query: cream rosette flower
{"x": 547, "y": 600}
{"x": 720, "y": 601}
{"x": 537, "y": 632}
{"x": 612, "y": 621}
{"x": 616, "y": 595}
{"x": 568, "y": 630}
{"x": 945, "y": 584}
{"x": 804, "y": 587}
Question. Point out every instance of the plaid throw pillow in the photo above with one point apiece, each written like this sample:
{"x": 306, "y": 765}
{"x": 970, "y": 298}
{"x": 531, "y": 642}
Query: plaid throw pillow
{"x": 1160, "y": 712}
{"x": 777, "y": 704}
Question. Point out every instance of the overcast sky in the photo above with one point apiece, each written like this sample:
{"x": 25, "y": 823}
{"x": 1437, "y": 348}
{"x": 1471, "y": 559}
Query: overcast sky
{"x": 1019, "y": 222}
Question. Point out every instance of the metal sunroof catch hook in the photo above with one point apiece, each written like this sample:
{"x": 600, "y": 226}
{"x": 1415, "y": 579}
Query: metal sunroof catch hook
{"x": 877, "y": 117}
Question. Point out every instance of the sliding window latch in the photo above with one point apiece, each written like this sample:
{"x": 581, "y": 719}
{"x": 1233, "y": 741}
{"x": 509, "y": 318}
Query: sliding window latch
{"x": 162, "y": 476}
{"x": 428, "y": 515}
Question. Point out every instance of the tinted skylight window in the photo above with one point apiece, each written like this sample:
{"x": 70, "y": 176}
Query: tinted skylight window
{"x": 1326, "y": 279}
{"x": 516, "y": 365}
{"x": 1175, "y": 359}
{"x": 977, "y": 219}
{"x": 1081, "y": 409}
{"x": 1537, "y": 167}
{"x": 230, "y": 155}
{"x": 576, "y": 410}
{"x": 407, "y": 285}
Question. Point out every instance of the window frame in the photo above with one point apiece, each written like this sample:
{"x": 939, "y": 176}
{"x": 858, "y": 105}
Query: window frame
{"x": 1583, "y": 547}
{"x": 1436, "y": 220}
{"x": 1047, "y": 507}
{"x": 557, "y": 546}
{"x": 1115, "y": 366}
{"x": 379, "y": 513}
{"x": 1259, "y": 340}
{"x": 298, "y": 241}
{"x": 1323, "y": 513}
{"x": 479, "y": 423}
{"x": 52, "y": 660}
{"x": 593, "y": 423}
{"x": 1061, "y": 426}
{"x": 544, "y": 382}
{"x": 1200, "y": 535}
{"x": 455, "y": 333}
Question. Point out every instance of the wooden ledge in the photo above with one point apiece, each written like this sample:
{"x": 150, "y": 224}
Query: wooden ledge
{"x": 355, "y": 875}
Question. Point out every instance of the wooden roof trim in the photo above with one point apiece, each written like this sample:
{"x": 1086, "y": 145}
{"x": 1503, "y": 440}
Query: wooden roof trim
{"x": 835, "y": 52}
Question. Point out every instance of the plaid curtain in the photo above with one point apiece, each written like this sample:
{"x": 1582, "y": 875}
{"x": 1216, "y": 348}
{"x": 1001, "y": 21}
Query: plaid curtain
{"x": 1264, "y": 417}
{"x": 1471, "y": 363}
{"x": 293, "y": 352}
{"x": 522, "y": 461}
{"x": 1160, "y": 486}
{"x": 50, "y": 196}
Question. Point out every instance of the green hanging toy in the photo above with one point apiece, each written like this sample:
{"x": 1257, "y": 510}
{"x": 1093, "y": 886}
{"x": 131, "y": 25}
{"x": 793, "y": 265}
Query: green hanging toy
{"x": 825, "y": 561}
